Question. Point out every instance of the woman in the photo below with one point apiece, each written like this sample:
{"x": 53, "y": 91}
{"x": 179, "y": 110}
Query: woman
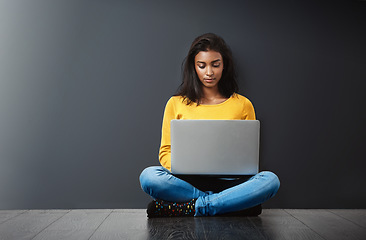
{"x": 209, "y": 91}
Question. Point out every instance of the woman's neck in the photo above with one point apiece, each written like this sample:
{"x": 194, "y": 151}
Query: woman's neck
{"x": 212, "y": 96}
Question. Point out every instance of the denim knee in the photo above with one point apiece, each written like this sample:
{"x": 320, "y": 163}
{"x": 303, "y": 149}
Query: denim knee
{"x": 273, "y": 179}
{"x": 150, "y": 179}
{"x": 145, "y": 178}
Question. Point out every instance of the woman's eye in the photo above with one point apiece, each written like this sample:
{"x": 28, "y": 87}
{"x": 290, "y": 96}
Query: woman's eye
{"x": 201, "y": 66}
{"x": 216, "y": 65}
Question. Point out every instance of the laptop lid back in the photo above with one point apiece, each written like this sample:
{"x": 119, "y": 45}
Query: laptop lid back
{"x": 215, "y": 147}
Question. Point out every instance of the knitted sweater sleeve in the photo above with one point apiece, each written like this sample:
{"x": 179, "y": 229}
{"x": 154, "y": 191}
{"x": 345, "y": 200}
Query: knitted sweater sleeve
{"x": 165, "y": 147}
{"x": 249, "y": 112}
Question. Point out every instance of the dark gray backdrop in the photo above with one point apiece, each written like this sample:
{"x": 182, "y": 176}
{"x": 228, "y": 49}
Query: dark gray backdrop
{"x": 83, "y": 85}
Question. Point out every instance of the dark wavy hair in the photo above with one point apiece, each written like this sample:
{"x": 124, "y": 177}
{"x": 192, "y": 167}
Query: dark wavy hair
{"x": 191, "y": 87}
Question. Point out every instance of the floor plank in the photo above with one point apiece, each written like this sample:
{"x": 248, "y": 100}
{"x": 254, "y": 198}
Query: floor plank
{"x": 6, "y": 215}
{"x": 202, "y": 228}
{"x": 123, "y": 224}
{"x": 77, "y": 224}
{"x": 329, "y": 225}
{"x": 357, "y": 216}
{"x": 175, "y": 228}
{"x": 29, "y": 224}
{"x": 227, "y": 228}
{"x": 133, "y": 224}
{"x": 278, "y": 224}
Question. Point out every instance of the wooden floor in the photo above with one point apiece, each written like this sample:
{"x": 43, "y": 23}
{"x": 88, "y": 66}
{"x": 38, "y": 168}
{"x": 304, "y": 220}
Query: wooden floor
{"x": 133, "y": 224}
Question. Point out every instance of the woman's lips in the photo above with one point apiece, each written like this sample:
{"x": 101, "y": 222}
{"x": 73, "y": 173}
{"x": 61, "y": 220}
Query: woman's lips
{"x": 209, "y": 80}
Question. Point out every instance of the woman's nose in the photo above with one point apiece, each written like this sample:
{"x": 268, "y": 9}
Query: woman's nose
{"x": 209, "y": 71}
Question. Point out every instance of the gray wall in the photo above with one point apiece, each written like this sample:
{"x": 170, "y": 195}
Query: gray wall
{"x": 83, "y": 85}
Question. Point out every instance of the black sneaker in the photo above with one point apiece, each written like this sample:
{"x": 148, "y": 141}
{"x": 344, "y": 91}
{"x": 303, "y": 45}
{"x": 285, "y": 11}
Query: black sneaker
{"x": 160, "y": 208}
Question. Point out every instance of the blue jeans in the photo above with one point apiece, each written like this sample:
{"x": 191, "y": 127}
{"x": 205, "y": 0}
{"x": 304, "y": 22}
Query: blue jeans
{"x": 160, "y": 183}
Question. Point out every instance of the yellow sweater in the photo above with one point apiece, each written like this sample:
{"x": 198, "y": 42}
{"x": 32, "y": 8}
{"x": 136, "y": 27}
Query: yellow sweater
{"x": 237, "y": 107}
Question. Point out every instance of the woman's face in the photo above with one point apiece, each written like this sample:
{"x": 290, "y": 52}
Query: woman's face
{"x": 209, "y": 66}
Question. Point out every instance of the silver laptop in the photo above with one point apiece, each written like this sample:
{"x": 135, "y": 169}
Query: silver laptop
{"x": 215, "y": 147}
